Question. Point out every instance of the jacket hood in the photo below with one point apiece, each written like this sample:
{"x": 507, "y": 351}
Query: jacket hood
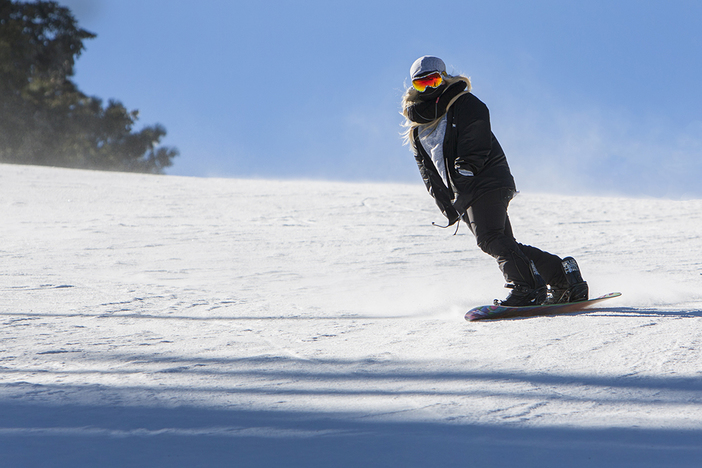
{"x": 428, "y": 109}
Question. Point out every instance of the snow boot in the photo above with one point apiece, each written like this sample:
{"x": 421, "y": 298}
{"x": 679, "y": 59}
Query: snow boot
{"x": 524, "y": 294}
{"x": 575, "y": 291}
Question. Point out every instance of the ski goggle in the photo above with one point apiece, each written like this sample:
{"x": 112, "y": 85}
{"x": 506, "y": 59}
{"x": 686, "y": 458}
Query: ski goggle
{"x": 430, "y": 81}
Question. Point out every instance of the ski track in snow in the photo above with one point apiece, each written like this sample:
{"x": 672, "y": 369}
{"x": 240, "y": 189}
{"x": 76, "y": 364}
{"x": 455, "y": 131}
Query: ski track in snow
{"x": 170, "y": 321}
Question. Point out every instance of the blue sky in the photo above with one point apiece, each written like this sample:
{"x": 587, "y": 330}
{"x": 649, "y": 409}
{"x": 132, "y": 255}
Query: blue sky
{"x": 586, "y": 97}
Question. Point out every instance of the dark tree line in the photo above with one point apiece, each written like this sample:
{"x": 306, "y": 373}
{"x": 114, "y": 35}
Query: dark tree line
{"x": 44, "y": 118}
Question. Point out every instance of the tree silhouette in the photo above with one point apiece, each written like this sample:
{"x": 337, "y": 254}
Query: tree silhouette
{"x": 44, "y": 118}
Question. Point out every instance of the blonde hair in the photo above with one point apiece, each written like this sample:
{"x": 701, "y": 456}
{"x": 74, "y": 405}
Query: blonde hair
{"x": 412, "y": 96}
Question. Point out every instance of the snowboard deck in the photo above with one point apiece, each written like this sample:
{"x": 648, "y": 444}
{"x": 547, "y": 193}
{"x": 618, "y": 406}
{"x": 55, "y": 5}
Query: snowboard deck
{"x": 491, "y": 312}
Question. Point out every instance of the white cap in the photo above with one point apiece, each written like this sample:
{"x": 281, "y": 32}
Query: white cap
{"x": 427, "y": 65}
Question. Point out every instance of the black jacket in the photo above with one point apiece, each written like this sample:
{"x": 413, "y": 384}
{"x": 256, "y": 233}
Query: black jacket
{"x": 469, "y": 148}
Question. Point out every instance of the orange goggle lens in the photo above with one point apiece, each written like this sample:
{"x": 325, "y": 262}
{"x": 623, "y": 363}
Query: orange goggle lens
{"x": 430, "y": 81}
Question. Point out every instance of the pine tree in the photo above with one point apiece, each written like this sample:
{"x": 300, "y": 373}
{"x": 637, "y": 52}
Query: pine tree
{"x": 44, "y": 118}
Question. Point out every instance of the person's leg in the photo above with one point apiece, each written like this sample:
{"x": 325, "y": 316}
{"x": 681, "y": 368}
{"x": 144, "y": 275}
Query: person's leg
{"x": 489, "y": 222}
{"x": 563, "y": 277}
{"x": 549, "y": 265}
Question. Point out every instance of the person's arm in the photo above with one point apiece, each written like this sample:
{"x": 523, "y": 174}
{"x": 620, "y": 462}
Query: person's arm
{"x": 474, "y": 137}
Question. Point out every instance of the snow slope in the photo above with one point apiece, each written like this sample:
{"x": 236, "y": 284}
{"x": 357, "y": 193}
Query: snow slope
{"x": 167, "y": 321}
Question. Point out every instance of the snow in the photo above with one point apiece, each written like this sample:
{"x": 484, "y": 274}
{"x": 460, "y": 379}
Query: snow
{"x": 171, "y": 321}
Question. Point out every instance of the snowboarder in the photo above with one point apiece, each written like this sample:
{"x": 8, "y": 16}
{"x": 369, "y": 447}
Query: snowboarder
{"x": 465, "y": 170}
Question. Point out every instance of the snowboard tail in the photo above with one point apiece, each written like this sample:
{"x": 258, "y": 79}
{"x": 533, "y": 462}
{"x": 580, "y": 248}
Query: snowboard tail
{"x": 488, "y": 312}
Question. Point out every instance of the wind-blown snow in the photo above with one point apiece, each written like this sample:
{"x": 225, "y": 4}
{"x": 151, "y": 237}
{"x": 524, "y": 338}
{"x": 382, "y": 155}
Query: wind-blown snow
{"x": 167, "y": 321}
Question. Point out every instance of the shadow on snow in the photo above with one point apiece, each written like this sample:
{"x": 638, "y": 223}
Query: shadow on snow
{"x": 105, "y": 436}
{"x": 57, "y": 434}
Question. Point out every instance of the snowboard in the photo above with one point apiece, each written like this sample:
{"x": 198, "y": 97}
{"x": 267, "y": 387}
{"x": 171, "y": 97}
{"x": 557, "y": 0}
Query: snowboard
{"x": 488, "y": 312}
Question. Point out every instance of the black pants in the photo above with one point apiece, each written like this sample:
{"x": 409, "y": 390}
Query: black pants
{"x": 489, "y": 222}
